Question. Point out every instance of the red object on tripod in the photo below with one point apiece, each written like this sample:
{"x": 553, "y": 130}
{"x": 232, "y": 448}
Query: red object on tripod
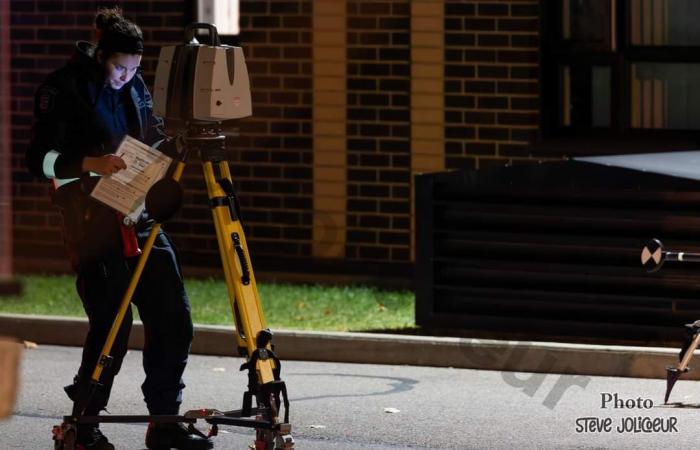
{"x": 130, "y": 244}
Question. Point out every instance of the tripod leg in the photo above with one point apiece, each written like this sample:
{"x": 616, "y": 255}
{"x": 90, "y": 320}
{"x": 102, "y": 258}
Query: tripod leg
{"x": 105, "y": 358}
{"x": 240, "y": 280}
{"x": 85, "y": 393}
{"x": 262, "y": 365}
{"x": 83, "y": 396}
{"x": 126, "y": 299}
{"x": 124, "y": 305}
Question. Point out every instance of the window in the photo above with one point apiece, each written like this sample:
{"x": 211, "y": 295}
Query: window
{"x": 222, "y": 13}
{"x": 587, "y": 23}
{"x": 620, "y": 66}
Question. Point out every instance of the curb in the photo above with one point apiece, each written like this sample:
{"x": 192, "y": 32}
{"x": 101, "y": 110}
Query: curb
{"x": 370, "y": 348}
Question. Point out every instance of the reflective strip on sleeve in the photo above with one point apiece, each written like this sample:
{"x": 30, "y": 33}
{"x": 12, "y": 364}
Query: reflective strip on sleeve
{"x": 48, "y": 168}
{"x": 49, "y": 161}
{"x": 58, "y": 182}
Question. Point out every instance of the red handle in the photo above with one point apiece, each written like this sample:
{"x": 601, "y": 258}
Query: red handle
{"x": 129, "y": 242}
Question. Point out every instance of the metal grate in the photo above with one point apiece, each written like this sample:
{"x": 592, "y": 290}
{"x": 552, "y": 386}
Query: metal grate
{"x": 554, "y": 249}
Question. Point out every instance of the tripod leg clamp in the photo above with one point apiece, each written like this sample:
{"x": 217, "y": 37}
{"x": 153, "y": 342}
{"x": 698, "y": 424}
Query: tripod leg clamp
{"x": 106, "y": 361}
{"x": 231, "y": 199}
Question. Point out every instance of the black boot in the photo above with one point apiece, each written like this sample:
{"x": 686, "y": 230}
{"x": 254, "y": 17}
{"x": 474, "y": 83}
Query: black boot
{"x": 91, "y": 438}
{"x": 161, "y": 436}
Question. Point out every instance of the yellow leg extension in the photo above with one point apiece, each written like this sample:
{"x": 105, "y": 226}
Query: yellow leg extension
{"x": 126, "y": 299}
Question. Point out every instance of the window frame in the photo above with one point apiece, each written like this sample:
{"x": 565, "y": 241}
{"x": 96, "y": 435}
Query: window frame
{"x": 555, "y": 53}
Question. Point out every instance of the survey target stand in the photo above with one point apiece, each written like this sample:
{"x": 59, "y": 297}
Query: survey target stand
{"x": 653, "y": 257}
{"x": 205, "y": 138}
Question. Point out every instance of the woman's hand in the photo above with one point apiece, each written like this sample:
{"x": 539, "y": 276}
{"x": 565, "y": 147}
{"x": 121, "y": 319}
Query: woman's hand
{"x": 103, "y": 165}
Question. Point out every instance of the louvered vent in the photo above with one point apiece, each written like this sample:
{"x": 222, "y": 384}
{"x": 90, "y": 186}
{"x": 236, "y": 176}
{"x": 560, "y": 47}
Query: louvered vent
{"x": 554, "y": 249}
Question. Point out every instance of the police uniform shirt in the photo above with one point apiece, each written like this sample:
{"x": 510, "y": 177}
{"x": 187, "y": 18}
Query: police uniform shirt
{"x": 111, "y": 111}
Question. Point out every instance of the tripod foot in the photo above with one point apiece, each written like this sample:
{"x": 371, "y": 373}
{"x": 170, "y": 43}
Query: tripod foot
{"x": 64, "y": 437}
{"x": 275, "y": 440}
{"x": 284, "y": 442}
{"x": 672, "y": 375}
{"x": 268, "y": 440}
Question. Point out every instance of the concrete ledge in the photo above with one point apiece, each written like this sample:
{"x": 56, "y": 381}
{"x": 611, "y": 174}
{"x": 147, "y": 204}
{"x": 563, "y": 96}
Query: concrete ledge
{"x": 518, "y": 356}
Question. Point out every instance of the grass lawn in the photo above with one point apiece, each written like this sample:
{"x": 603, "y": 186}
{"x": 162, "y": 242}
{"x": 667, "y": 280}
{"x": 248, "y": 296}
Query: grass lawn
{"x": 286, "y": 306}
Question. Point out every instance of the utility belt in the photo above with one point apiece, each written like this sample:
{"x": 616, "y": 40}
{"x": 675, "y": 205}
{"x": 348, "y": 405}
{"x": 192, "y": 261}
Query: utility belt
{"x": 93, "y": 232}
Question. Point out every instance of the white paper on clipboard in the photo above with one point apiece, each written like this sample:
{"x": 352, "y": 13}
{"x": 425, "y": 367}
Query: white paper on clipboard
{"x": 125, "y": 191}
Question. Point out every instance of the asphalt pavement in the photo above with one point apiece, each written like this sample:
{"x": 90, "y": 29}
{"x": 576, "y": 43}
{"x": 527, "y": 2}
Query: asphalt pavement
{"x": 369, "y": 406}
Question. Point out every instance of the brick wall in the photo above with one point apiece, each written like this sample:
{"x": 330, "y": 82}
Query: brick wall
{"x": 378, "y": 130}
{"x": 491, "y": 81}
{"x": 284, "y": 158}
{"x": 5, "y": 149}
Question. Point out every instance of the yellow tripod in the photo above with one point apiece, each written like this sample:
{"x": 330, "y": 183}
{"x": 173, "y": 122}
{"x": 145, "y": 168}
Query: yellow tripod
{"x": 252, "y": 335}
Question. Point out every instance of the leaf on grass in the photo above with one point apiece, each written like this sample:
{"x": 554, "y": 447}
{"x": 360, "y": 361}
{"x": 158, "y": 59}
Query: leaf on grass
{"x": 327, "y": 312}
{"x": 301, "y": 305}
{"x": 382, "y": 307}
{"x": 391, "y": 410}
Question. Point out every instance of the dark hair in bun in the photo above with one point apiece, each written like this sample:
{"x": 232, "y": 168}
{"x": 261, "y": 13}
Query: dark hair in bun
{"x": 117, "y": 34}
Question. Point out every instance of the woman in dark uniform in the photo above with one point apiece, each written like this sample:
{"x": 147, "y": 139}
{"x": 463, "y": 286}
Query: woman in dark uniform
{"x": 82, "y": 112}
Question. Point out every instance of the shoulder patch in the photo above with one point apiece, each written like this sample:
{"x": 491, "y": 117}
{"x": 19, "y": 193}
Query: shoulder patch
{"x": 46, "y": 99}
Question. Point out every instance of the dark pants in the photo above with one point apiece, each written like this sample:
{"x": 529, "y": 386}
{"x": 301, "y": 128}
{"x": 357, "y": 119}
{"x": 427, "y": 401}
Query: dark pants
{"x": 165, "y": 311}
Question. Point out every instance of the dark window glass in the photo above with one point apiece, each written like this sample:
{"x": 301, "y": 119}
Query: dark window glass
{"x": 587, "y": 23}
{"x": 665, "y": 96}
{"x": 601, "y": 97}
{"x": 586, "y": 96}
{"x": 664, "y": 22}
